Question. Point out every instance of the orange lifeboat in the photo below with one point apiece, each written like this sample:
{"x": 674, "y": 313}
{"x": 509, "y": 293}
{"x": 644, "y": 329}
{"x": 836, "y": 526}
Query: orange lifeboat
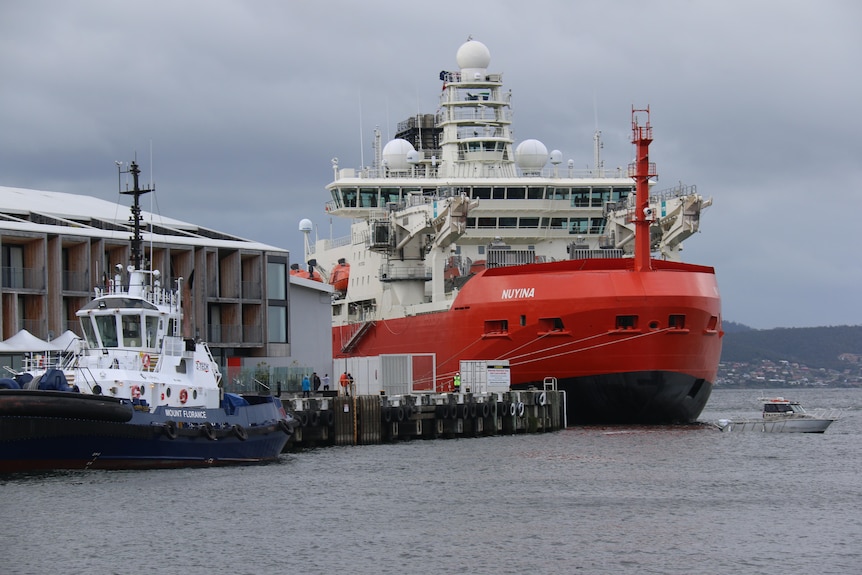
{"x": 309, "y": 274}
{"x": 340, "y": 276}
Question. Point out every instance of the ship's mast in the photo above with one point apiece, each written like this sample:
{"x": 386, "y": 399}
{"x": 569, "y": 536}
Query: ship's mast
{"x": 641, "y": 171}
{"x": 136, "y": 192}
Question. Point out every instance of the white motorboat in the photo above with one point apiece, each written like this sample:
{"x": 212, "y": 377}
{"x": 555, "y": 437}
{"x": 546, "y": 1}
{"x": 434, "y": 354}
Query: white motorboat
{"x": 782, "y": 415}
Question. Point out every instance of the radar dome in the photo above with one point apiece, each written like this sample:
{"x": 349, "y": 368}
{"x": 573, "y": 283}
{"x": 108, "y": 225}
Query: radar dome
{"x": 531, "y": 155}
{"x": 556, "y": 157}
{"x": 395, "y": 154}
{"x": 305, "y": 225}
{"x": 473, "y": 54}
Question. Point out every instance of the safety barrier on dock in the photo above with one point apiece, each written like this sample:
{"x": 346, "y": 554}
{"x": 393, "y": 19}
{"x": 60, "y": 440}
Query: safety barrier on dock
{"x": 369, "y": 419}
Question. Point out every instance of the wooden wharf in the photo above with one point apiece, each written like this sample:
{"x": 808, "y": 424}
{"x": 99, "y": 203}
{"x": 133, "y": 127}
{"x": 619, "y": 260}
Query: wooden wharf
{"x": 375, "y": 419}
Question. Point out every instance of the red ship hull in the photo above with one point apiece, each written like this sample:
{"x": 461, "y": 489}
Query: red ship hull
{"x": 627, "y": 346}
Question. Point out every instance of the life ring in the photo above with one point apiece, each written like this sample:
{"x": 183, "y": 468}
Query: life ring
{"x": 209, "y": 431}
{"x": 170, "y": 429}
{"x": 136, "y": 392}
{"x": 145, "y": 361}
{"x": 184, "y": 396}
{"x": 240, "y": 432}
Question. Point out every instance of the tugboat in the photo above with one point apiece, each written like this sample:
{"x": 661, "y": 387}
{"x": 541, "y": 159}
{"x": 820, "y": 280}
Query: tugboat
{"x": 135, "y": 394}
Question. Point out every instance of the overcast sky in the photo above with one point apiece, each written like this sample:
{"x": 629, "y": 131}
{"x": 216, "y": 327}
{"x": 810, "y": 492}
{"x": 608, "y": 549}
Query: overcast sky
{"x": 244, "y": 104}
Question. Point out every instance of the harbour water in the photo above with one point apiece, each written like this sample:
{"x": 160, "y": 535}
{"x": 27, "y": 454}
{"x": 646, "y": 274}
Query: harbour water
{"x": 686, "y": 499}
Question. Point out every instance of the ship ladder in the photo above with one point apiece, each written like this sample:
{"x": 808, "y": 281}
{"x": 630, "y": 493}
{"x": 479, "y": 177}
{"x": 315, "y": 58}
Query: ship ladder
{"x": 357, "y": 335}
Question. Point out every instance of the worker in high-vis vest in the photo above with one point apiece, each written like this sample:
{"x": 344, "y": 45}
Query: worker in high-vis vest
{"x": 457, "y": 382}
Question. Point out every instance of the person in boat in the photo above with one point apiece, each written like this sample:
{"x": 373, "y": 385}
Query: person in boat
{"x": 306, "y": 386}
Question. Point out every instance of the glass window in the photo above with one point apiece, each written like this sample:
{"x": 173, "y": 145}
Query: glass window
{"x": 597, "y": 225}
{"x": 535, "y": 193}
{"x": 499, "y": 193}
{"x": 508, "y": 222}
{"x": 487, "y": 222}
{"x": 107, "y": 328}
{"x": 558, "y": 193}
{"x": 87, "y": 326}
{"x": 482, "y": 193}
{"x": 579, "y": 225}
{"x": 600, "y": 196}
{"x": 276, "y": 324}
{"x": 528, "y": 223}
{"x": 580, "y": 198}
{"x": 152, "y": 331}
{"x": 131, "y": 330}
{"x": 368, "y": 197}
{"x": 276, "y": 280}
{"x": 516, "y": 193}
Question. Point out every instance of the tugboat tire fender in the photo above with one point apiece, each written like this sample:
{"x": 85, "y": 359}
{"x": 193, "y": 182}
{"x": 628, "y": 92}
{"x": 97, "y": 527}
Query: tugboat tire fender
{"x": 209, "y": 431}
{"x": 240, "y": 432}
{"x": 170, "y": 429}
{"x": 285, "y": 426}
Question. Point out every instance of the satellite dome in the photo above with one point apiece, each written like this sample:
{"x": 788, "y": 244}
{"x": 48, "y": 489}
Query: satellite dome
{"x": 473, "y": 54}
{"x": 556, "y": 157}
{"x": 395, "y": 154}
{"x": 531, "y": 155}
{"x": 305, "y": 225}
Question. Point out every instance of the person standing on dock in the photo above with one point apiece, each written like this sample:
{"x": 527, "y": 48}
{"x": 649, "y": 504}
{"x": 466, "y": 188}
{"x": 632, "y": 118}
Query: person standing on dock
{"x": 315, "y": 382}
{"x": 456, "y": 382}
{"x": 344, "y": 380}
{"x": 306, "y": 386}
{"x": 350, "y": 380}
{"x": 326, "y": 382}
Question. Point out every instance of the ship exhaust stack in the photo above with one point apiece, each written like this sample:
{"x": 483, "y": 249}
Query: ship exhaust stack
{"x": 641, "y": 171}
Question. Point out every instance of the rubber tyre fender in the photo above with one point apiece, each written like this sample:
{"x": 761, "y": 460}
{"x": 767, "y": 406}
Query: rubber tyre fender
{"x": 303, "y": 418}
{"x": 485, "y": 410}
{"x": 170, "y": 429}
{"x": 399, "y": 414}
{"x": 520, "y": 409}
{"x": 387, "y": 415}
{"x": 240, "y": 432}
{"x": 315, "y": 418}
{"x": 209, "y": 431}
{"x": 541, "y": 398}
{"x": 285, "y": 426}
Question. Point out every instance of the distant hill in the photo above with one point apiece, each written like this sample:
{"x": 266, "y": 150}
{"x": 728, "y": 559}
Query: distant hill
{"x": 812, "y": 346}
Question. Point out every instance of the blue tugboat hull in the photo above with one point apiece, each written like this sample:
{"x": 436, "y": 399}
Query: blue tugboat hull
{"x": 55, "y": 430}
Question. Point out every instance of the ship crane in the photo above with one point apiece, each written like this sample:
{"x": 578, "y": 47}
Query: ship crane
{"x": 415, "y": 239}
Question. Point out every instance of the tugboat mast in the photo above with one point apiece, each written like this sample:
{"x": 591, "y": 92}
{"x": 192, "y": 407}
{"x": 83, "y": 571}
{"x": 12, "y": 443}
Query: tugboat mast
{"x": 641, "y": 171}
{"x": 136, "y": 192}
